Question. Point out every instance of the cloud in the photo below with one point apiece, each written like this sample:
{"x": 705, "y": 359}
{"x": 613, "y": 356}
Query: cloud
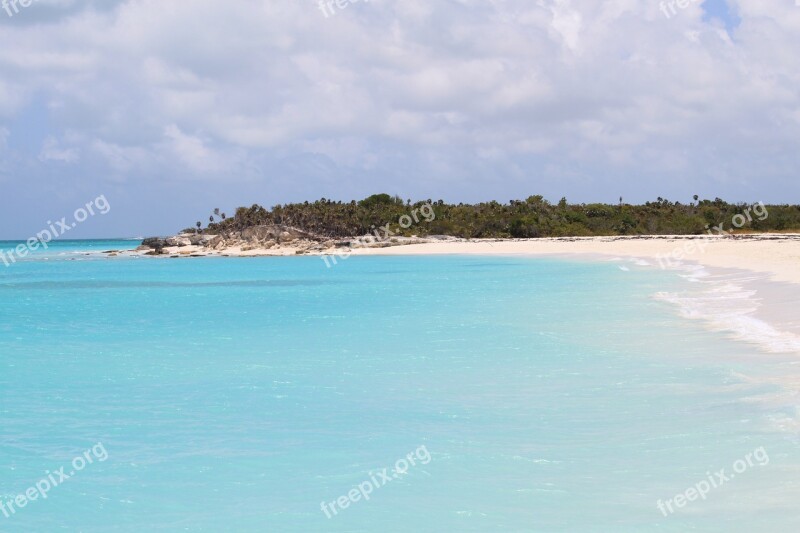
{"x": 511, "y": 97}
{"x": 52, "y": 151}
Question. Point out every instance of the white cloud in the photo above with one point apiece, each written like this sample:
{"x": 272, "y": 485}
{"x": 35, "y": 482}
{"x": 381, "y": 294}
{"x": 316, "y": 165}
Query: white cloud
{"x": 53, "y": 151}
{"x": 612, "y": 90}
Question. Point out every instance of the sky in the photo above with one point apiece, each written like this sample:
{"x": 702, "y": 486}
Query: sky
{"x": 171, "y": 108}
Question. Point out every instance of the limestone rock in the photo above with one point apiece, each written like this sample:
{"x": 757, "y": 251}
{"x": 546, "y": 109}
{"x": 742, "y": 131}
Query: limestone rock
{"x": 178, "y": 241}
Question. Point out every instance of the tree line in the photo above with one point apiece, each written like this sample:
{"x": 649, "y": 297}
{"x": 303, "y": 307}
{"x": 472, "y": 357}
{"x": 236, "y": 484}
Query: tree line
{"x": 529, "y": 218}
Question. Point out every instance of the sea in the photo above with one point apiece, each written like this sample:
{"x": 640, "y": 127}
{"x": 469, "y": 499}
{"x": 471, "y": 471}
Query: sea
{"x": 393, "y": 394}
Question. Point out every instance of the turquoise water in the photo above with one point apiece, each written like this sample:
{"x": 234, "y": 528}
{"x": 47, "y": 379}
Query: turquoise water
{"x": 240, "y": 394}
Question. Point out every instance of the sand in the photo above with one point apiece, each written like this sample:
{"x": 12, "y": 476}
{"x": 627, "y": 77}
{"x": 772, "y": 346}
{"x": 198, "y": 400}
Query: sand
{"x": 776, "y": 256}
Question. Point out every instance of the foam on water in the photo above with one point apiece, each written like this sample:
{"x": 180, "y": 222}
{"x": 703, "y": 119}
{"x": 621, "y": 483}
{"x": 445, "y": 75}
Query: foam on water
{"x": 730, "y": 303}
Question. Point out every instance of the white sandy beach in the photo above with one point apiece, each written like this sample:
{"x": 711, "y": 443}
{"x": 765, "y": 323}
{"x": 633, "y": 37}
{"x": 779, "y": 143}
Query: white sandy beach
{"x": 775, "y": 255}
{"x": 778, "y": 256}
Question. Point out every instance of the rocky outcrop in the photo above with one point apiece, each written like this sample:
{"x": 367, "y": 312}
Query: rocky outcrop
{"x": 178, "y": 241}
{"x": 252, "y": 238}
{"x": 201, "y": 239}
{"x": 155, "y": 244}
{"x": 274, "y": 233}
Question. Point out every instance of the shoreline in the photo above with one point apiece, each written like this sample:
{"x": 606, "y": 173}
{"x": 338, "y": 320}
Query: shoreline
{"x": 773, "y": 254}
{"x": 744, "y": 285}
{"x": 745, "y": 288}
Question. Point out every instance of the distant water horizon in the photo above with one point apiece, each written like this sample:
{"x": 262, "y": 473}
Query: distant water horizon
{"x": 551, "y": 394}
{"x": 72, "y": 241}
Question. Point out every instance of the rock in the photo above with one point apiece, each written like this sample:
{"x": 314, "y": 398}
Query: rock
{"x": 277, "y": 233}
{"x": 178, "y": 241}
{"x": 201, "y": 240}
{"x": 154, "y": 243}
{"x": 252, "y": 238}
{"x": 259, "y": 234}
{"x": 216, "y": 242}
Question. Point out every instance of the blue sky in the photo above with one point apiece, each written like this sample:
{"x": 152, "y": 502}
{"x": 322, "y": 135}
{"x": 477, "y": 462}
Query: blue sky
{"x": 721, "y": 11}
{"x": 172, "y": 108}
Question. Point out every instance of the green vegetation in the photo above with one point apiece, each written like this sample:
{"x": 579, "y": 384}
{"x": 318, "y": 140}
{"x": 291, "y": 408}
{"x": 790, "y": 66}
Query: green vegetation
{"x": 534, "y": 217}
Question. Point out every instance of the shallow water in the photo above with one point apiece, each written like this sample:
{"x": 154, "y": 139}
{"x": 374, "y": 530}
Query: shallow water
{"x": 240, "y": 394}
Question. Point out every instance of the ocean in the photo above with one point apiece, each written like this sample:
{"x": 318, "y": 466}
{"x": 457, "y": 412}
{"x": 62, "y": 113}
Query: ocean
{"x": 420, "y": 394}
